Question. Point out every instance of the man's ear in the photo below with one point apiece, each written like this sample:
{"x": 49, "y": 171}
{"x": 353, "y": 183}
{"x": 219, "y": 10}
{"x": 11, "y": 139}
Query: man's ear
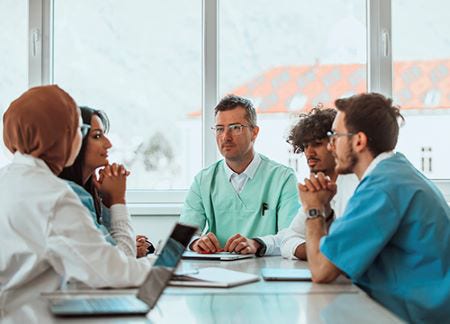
{"x": 255, "y": 131}
{"x": 360, "y": 142}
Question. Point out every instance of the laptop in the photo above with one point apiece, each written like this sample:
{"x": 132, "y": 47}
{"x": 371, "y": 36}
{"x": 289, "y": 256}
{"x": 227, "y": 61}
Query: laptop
{"x": 221, "y": 256}
{"x": 149, "y": 292}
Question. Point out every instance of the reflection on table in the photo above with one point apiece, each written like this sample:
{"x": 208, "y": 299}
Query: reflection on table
{"x": 259, "y": 302}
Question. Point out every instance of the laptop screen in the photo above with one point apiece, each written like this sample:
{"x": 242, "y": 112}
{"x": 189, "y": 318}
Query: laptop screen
{"x": 165, "y": 264}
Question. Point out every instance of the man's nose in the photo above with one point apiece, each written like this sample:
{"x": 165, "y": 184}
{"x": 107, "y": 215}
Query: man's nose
{"x": 227, "y": 133}
{"x": 330, "y": 146}
{"x": 309, "y": 151}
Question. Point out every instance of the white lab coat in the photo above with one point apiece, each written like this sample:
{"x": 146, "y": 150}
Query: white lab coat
{"x": 295, "y": 234}
{"x": 46, "y": 234}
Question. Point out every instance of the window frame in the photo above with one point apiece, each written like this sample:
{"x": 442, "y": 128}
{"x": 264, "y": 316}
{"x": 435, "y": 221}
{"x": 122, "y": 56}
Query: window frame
{"x": 168, "y": 202}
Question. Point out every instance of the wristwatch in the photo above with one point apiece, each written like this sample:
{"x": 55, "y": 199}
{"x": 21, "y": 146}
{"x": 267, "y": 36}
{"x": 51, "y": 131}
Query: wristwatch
{"x": 314, "y": 213}
{"x": 262, "y": 247}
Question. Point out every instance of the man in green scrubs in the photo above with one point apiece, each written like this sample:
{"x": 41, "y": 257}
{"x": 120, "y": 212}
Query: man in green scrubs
{"x": 243, "y": 200}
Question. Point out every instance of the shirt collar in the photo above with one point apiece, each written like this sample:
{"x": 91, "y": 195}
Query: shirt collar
{"x": 376, "y": 161}
{"x": 249, "y": 171}
{"x": 27, "y": 159}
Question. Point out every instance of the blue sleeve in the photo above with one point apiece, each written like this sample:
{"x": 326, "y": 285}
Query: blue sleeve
{"x": 88, "y": 202}
{"x": 193, "y": 212}
{"x": 288, "y": 204}
{"x": 355, "y": 239}
{"x": 85, "y": 198}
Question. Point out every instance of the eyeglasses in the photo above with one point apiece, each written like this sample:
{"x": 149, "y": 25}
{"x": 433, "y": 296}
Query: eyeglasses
{"x": 234, "y": 129}
{"x": 85, "y": 129}
{"x": 333, "y": 135}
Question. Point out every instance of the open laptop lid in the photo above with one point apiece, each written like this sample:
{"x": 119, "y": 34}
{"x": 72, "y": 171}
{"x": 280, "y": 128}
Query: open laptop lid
{"x": 165, "y": 265}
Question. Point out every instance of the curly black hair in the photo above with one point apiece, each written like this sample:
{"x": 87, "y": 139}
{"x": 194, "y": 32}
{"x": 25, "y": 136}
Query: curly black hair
{"x": 311, "y": 126}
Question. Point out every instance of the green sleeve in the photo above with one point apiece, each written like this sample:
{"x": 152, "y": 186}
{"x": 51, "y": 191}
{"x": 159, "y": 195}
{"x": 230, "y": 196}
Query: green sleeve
{"x": 193, "y": 211}
{"x": 289, "y": 203}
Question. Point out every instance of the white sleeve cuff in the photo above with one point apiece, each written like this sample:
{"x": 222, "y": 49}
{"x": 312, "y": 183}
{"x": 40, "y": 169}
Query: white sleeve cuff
{"x": 119, "y": 212}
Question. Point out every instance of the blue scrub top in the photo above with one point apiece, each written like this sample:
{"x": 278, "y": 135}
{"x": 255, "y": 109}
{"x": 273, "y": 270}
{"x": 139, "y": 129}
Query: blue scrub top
{"x": 394, "y": 242}
{"x": 88, "y": 202}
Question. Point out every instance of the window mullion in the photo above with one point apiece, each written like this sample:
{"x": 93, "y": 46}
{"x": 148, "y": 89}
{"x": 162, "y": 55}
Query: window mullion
{"x": 379, "y": 46}
{"x": 39, "y": 39}
{"x": 210, "y": 74}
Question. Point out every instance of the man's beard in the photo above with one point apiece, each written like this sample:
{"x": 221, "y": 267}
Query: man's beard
{"x": 351, "y": 159}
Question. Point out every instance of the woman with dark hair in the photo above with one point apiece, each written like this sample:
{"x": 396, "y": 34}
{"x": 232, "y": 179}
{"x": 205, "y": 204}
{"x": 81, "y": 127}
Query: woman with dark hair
{"x": 104, "y": 196}
{"x": 46, "y": 233}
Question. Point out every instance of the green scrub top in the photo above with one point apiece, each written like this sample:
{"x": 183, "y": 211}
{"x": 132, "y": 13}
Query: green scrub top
{"x": 212, "y": 201}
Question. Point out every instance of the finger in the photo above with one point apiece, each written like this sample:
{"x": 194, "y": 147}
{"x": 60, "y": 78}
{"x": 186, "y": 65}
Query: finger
{"x": 121, "y": 169}
{"x": 203, "y": 246}
{"x": 302, "y": 187}
{"x": 97, "y": 183}
{"x": 231, "y": 239}
{"x": 332, "y": 186}
{"x": 235, "y": 243}
{"x": 247, "y": 250}
{"x": 314, "y": 182}
{"x": 214, "y": 240}
{"x": 322, "y": 180}
{"x": 107, "y": 171}
{"x": 114, "y": 169}
{"x": 209, "y": 244}
{"x": 241, "y": 246}
{"x": 309, "y": 185}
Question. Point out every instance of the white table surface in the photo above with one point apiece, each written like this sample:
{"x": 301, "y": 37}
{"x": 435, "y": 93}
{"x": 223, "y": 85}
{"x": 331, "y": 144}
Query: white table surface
{"x": 259, "y": 302}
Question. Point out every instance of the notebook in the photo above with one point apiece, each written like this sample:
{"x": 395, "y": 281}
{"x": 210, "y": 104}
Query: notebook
{"x": 148, "y": 293}
{"x": 221, "y": 256}
{"x": 273, "y": 274}
{"x": 213, "y": 277}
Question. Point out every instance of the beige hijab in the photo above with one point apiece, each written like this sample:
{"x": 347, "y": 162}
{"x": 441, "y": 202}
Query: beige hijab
{"x": 42, "y": 122}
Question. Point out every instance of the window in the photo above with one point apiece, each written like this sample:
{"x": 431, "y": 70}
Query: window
{"x": 288, "y": 57}
{"x": 142, "y": 65}
{"x": 421, "y": 82}
{"x": 13, "y": 54}
{"x": 158, "y": 67}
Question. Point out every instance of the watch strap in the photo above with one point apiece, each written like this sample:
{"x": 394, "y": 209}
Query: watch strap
{"x": 262, "y": 247}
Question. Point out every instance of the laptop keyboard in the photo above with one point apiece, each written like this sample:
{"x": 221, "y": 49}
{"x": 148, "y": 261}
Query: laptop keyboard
{"x": 107, "y": 305}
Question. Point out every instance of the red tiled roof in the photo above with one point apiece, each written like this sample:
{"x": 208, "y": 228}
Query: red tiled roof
{"x": 417, "y": 85}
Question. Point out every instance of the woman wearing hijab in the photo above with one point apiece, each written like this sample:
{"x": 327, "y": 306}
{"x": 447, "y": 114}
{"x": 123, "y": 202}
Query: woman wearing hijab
{"x": 104, "y": 197}
{"x": 46, "y": 234}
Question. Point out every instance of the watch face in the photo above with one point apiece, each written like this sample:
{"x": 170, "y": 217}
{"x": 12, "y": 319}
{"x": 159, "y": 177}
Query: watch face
{"x": 314, "y": 212}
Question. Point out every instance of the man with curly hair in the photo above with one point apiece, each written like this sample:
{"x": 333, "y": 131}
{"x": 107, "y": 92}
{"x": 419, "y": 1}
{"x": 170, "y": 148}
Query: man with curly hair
{"x": 309, "y": 136}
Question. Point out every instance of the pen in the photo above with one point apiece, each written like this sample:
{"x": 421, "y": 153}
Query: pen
{"x": 264, "y": 207}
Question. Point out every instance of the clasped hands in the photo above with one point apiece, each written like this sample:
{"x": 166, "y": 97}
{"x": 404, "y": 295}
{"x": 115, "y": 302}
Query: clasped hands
{"x": 317, "y": 192}
{"x": 237, "y": 243}
{"x": 112, "y": 183}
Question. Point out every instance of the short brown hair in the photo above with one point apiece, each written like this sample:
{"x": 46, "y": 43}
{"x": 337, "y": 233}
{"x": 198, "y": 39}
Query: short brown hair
{"x": 374, "y": 115}
{"x": 232, "y": 101}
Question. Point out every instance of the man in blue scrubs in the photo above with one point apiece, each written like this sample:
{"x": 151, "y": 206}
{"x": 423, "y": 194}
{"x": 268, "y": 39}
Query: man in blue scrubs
{"x": 245, "y": 199}
{"x": 394, "y": 237}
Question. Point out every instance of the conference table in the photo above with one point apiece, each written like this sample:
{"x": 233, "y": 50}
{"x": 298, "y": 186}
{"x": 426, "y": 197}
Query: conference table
{"x": 259, "y": 302}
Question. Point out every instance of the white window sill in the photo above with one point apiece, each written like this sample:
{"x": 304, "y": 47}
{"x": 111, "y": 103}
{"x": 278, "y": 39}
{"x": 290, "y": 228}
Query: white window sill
{"x": 173, "y": 208}
{"x": 155, "y": 209}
